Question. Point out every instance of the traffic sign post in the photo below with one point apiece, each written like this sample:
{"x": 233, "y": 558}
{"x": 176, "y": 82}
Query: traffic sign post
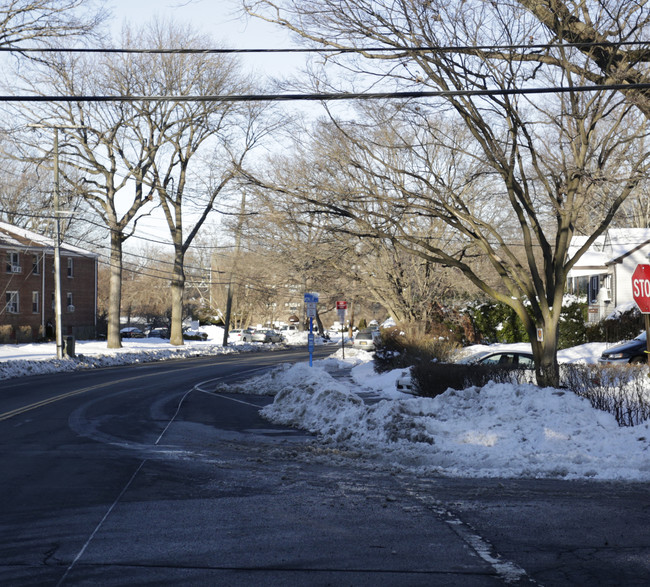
{"x": 341, "y": 307}
{"x": 641, "y": 295}
{"x": 311, "y": 302}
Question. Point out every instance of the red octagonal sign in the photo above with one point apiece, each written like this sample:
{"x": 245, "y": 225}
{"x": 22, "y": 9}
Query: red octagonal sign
{"x": 641, "y": 287}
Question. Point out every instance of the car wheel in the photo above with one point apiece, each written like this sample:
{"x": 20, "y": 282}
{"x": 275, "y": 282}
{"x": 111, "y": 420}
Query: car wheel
{"x": 638, "y": 361}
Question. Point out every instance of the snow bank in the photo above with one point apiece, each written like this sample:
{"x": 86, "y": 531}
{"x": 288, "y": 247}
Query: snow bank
{"x": 500, "y": 430}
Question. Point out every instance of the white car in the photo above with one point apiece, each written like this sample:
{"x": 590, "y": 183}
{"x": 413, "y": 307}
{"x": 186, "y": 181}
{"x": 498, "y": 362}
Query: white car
{"x": 366, "y": 339}
{"x": 240, "y": 335}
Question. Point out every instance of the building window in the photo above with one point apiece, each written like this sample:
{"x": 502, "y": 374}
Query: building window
{"x": 13, "y": 263}
{"x": 36, "y": 265}
{"x": 70, "y": 304}
{"x": 594, "y": 288}
{"x": 70, "y": 267}
{"x": 13, "y": 306}
{"x": 35, "y": 302}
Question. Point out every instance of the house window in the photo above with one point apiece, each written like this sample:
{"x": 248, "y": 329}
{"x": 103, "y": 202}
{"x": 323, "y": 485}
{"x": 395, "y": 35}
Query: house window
{"x": 36, "y": 265}
{"x": 70, "y": 267}
{"x": 35, "y": 302}
{"x": 69, "y": 302}
{"x": 13, "y": 263}
{"x": 13, "y": 306}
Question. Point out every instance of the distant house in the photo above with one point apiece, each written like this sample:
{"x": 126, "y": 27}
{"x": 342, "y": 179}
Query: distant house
{"x": 27, "y": 287}
{"x": 604, "y": 273}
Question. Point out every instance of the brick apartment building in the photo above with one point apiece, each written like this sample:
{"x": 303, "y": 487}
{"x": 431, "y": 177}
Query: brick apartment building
{"x": 27, "y": 288}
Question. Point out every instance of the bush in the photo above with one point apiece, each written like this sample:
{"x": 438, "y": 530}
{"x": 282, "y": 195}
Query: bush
{"x": 622, "y": 326}
{"x": 621, "y": 390}
{"x": 572, "y": 329}
{"x": 397, "y": 349}
{"x": 432, "y": 379}
{"x": 496, "y": 322}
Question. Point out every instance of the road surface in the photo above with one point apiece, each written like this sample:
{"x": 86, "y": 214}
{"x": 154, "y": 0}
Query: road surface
{"x": 142, "y": 475}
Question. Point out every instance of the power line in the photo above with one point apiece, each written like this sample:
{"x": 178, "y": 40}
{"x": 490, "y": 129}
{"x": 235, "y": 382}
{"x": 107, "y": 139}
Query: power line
{"x": 338, "y": 96}
{"x": 344, "y": 50}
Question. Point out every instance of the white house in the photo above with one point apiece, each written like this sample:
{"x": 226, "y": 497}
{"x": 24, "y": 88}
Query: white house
{"x": 604, "y": 272}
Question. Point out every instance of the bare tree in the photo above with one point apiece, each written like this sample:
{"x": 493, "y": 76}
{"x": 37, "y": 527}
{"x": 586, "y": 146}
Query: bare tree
{"x": 105, "y": 161}
{"x": 610, "y": 34}
{"x": 42, "y": 21}
{"x": 511, "y": 176}
{"x": 201, "y": 141}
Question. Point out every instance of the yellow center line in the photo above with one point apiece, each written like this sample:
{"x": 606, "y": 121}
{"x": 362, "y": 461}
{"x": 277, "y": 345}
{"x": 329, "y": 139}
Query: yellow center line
{"x": 56, "y": 398}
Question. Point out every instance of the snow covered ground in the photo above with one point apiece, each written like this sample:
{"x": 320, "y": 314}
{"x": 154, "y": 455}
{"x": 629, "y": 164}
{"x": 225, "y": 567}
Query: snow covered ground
{"x": 500, "y": 430}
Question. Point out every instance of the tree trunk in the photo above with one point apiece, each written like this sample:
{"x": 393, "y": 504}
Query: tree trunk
{"x": 113, "y": 339}
{"x": 545, "y": 353}
{"x": 178, "y": 285}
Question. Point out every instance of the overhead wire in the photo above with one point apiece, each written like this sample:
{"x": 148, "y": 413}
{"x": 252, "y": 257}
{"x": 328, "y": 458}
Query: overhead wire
{"x": 331, "y": 49}
{"x": 331, "y": 96}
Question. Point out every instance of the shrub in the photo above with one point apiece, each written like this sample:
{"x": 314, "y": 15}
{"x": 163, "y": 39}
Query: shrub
{"x": 24, "y": 334}
{"x": 622, "y": 326}
{"x": 621, "y": 390}
{"x": 6, "y": 333}
{"x": 572, "y": 329}
{"x": 432, "y": 379}
{"x": 496, "y": 322}
{"x": 397, "y": 349}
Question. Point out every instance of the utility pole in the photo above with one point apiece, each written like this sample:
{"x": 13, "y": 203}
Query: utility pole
{"x": 58, "y": 313}
{"x": 238, "y": 230}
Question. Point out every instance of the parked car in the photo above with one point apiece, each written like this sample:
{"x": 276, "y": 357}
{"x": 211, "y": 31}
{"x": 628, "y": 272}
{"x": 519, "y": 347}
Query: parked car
{"x": 365, "y": 339}
{"x": 289, "y": 328}
{"x": 158, "y": 333}
{"x": 520, "y": 359}
{"x": 267, "y": 336}
{"x": 404, "y": 383}
{"x": 240, "y": 335}
{"x": 517, "y": 359}
{"x": 632, "y": 351}
{"x": 189, "y": 334}
{"x": 132, "y": 332}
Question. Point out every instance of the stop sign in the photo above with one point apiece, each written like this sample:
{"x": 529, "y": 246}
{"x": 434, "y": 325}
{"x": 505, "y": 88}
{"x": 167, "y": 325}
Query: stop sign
{"x": 641, "y": 287}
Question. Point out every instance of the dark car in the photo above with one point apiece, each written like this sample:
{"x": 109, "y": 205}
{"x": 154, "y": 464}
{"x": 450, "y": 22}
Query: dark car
{"x": 158, "y": 333}
{"x": 132, "y": 332}
{"x": 189, "y": 334}
{"x": 632, "y": 351}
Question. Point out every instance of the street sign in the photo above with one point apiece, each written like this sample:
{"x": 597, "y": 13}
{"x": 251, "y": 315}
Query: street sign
{"x": 311, "y": 298}
{"x": 310, "y": 307}
{"x": 341, "y": 305}
{"x": 641, "y": 287}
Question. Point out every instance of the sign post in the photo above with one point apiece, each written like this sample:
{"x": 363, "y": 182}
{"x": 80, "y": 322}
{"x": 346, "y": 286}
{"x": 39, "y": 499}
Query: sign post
{"x": 311, "y": 301}
{"x": 641, "y": 295}
{"x": 341, "y": 307}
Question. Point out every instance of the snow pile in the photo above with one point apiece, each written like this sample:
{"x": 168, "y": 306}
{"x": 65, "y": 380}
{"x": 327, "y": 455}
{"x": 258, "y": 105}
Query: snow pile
{"x": 18, "y": 360}
{"x": 500, "y": 430}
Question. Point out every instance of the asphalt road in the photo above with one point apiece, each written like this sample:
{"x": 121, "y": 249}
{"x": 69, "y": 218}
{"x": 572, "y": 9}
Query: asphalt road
{"x": 143, "y": 476}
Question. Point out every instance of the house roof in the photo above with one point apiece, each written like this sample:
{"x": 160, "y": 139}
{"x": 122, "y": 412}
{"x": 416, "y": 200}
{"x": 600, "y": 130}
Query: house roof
{"x": 20, "y": 238}
{"x": 624, "y": 241}
{"x": 612, "y": 247}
